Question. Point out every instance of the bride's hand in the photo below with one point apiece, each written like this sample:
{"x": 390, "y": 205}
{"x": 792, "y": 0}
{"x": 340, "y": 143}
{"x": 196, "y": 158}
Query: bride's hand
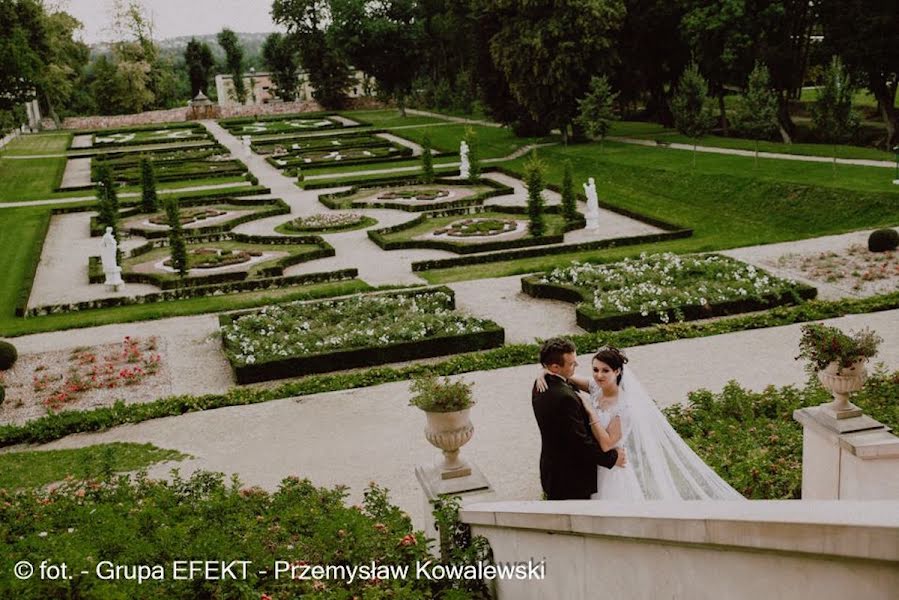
{"x": 588, "y": 406}
{"x": 540, "y": 382}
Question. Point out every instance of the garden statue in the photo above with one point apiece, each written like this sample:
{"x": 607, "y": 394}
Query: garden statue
{"x": 108, "y": 251}
{"x": 464, "y": 165}
{"x": 592, "y": 213}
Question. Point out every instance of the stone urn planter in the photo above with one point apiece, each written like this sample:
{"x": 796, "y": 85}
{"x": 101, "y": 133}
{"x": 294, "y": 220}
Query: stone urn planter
{"x": 841, "y": 382}
{"x": 449, "y": 431}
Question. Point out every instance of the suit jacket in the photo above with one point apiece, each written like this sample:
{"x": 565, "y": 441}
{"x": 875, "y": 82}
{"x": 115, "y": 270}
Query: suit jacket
{"x": 569, "y": 454}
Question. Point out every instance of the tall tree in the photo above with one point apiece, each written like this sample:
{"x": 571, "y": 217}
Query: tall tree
{"x": 549, "y": 49}
{"x": 280, "y": 57}
{"x": 474, "y": 160}
{"x": 595, "y": 110}
{"x": 865, "y": 33}
{"x": 149, "y": 199}
{"x": 177, "y": 245}
{"x": 533, "y": 180}
{"x": 569, "y": 199}
{"x": 427, "y": 161}
{"x": 107, "y": 200}
{"x": 199, "y": 60}
{"x": 384, "y": 39}
{"x": 757, "y": 114}
{"x": 227, "y": 39}
{"x": 690, "y": 106}
{"x": 833, "y": 118}
{"x": 307, "y": 23}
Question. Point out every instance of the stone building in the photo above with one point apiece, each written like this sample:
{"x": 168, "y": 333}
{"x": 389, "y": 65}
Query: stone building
{"x": 260, "y": 88}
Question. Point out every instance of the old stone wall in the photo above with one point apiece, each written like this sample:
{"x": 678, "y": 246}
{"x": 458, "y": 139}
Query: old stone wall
{"x": 176, "y": 115}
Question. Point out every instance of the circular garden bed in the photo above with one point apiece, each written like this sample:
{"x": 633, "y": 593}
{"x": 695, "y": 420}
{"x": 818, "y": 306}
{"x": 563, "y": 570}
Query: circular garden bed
{"x": 213, "y": 258}
{"x": 188, "y": 215}
{"x": 326, "y": 222}
{"x": 478, "y": 228}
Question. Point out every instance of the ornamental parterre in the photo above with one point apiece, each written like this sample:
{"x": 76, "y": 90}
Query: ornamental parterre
{"x": 296, "y": 329}
{"x": 326, "y": 221}
{"x": 657, "y": 283}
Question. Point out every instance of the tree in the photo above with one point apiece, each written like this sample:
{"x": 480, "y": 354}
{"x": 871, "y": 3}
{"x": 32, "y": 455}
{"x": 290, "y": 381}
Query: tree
{"x": 149, "y": 200}
{"x": 107, "y": 200}
{"x": 199, "y": 60}
{"x": 474, "y": 161}
{"x": 227, "y": 39}
{"x": 280, "y": 57}
{"x": 21, "y": 40}
{"x": 307, "y": 23}
{"x": 690, "y": 106}
{"x": 864, "y": 34}
{"x": 548, "y": 50}
{"x": 177, "y": 245}
{"x": 427, "y": 161}
{"x": 533, "y": 180}
{"x": 832, "y": 114}
{"x": 757, "y": 114}
{"x": 596, "y": 112}
{"x": 384, "y": 39}
{"x": 569, "y": 199}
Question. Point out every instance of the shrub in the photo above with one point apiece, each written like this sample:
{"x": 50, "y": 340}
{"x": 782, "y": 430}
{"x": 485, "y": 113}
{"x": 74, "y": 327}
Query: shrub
{"x": 252, "y": 178}
{"x": 569, "y": 199}
{"x": 8, "y": 355}
{"x": 534, "y": 170}
{"x": 427, "y": 162}
{"x": 149, "y": 199}
{"x": 820, "y": 345}
{"x": 883, "y": 240}
{"x": 433, "y": 395}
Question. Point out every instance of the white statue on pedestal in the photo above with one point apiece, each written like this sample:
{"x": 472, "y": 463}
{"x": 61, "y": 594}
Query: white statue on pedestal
{"x": 464, "y": 165}
{"x": 113, "y": 272}
{"x": 592, "y": 214}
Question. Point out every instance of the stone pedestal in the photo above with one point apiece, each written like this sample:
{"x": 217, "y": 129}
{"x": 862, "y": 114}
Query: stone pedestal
{"x": 854, "y": 458}
{"x": 114, "y": 282}
{"x": 434, "y": 486}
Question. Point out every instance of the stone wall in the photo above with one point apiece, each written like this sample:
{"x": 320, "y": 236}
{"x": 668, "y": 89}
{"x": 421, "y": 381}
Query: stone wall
{"x": 177, "y": 115}
{"x": 739, "y": 550}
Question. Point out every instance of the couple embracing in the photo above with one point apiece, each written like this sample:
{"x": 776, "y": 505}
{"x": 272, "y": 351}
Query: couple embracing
{"x": 615, "y": 444}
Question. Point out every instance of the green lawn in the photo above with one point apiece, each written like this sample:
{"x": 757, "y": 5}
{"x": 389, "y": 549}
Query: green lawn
{"x": 388, "y": 118}
{"x": 30, "y": 179}
{"x": 36, "y": 468}
{"x": 493, "y": 142}
{"x": 38, "y": 143}
{"x": 655, "y": 131}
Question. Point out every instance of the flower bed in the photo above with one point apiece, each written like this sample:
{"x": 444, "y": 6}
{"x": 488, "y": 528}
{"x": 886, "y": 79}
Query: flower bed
{"x": 326, "y": 222}
{"x": 82, "y": 377}
{"x": 413, "y": 194}
{"x": 188, "y": 216}
{"x": 855, "y": 268}
{"x": 661, "y": 288}
{"x": 478, "y": 227}
{"x": 296, "y": 339}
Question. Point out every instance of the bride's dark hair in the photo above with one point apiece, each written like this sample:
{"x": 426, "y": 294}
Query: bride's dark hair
{"x": 612, "y": 357}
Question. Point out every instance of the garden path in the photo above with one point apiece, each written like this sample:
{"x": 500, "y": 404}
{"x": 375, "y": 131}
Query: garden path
{"x": 424, "y": 113}
{"x": 77, "y": 173}
{"x": 766, "y": 257}
{"x": 351, "y": 437}
{"x": 776, "y": 155}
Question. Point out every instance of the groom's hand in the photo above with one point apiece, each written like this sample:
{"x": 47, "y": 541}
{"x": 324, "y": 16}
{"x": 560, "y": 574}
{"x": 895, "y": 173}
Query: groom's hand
{"x": 622, "y": 457}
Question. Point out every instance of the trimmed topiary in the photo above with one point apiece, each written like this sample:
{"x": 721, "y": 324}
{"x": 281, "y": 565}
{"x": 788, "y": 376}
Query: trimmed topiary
{"x": 8, "y": 355}
{"x": 883, "y": 240}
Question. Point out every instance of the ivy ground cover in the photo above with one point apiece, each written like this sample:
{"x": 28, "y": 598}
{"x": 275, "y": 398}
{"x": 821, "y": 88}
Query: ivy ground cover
{"x": 654, "y": 288}
{"x": 301, "y": 338}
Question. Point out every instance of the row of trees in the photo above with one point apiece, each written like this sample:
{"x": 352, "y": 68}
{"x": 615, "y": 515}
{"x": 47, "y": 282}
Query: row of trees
{"x": 529, "y": 62}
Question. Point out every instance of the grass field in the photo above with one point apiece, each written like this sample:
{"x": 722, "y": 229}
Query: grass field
{"x": 38, "y": 143}
{"x": 38, "y": 468}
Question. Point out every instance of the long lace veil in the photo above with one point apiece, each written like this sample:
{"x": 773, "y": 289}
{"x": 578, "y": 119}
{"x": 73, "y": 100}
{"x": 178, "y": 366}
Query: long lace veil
{"x": 666, "y": 468}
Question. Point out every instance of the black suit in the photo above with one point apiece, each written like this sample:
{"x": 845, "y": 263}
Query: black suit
{"x": 569, "y": 453}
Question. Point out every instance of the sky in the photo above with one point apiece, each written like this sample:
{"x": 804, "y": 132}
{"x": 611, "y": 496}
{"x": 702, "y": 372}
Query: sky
{"x": 173, "y": 18}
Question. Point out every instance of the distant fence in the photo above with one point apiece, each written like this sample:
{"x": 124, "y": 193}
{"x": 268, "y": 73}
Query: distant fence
{"x": 184, "y": 113}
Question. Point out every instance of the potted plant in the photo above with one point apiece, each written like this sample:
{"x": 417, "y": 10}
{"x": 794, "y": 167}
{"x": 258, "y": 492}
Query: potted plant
{"x": 839, "y": 361}
{"x": 446, "y": 405}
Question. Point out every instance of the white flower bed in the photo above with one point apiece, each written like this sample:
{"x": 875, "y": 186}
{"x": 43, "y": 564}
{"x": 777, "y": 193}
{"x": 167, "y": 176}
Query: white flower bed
{"x": 658, "y": 283}
{"x": 298, "y": 329}
{"x": 327, "y": 221}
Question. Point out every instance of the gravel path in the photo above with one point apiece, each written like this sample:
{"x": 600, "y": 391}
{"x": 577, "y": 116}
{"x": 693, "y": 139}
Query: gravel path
{"x": 82, "y": 141}
{"x": 861, "y": 162}
{"x": 352, "y": 437}
{"x": 77, "y": 173}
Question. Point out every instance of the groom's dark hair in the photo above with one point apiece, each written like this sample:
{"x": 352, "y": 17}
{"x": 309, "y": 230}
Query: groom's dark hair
{"x": 554, "y": 350}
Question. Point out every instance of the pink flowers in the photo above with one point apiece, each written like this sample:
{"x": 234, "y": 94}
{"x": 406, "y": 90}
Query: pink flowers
{"x": 408, "y": 540}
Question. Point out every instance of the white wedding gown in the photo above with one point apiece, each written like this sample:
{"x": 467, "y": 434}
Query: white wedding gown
{"x": 660, "y": 465}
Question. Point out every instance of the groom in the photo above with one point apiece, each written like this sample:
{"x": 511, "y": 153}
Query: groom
{"x": 570, "y": 453}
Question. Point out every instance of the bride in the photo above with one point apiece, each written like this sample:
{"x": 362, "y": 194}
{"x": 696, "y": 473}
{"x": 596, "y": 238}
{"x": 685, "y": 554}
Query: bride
{"x": 660, "y": 464}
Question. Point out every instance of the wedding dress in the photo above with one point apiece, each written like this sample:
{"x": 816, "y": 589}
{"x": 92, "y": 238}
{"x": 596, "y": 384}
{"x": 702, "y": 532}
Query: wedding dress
{"x": 660, "y": 465}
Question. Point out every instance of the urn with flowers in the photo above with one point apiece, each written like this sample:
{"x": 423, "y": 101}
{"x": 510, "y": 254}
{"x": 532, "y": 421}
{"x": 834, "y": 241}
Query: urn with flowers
{"x": 446, "y": 405}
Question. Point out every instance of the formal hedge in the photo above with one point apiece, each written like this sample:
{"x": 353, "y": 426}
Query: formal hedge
{"x": 132, "y": 201}
{"x": 96, "y": 275}
{"x": 403, "y": 153}
{"x": 37, "y": 248}
{"x": 320, "y": 114}
{"x": 278, "y": 207}
{"x": 448, "y": 263}
{"x": 113, "y": 152}
{"x": 324, "y": 140}
{"x": 192, "y": 138}
{"x": 341, "y": 179}
{"x": 138, "y": 128}
{"x": 58, "y": 425}
{"x": 333, "y": 200}
{"x": 491, "y": 337}
{"x": 277, "y": 270}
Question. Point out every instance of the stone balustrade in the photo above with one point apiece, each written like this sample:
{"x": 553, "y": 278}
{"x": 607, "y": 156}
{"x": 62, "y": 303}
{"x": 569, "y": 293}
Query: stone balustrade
{"x": 696, "y": 550}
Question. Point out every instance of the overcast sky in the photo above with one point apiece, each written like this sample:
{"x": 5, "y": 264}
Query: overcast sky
{"x": 173, "y": 18}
